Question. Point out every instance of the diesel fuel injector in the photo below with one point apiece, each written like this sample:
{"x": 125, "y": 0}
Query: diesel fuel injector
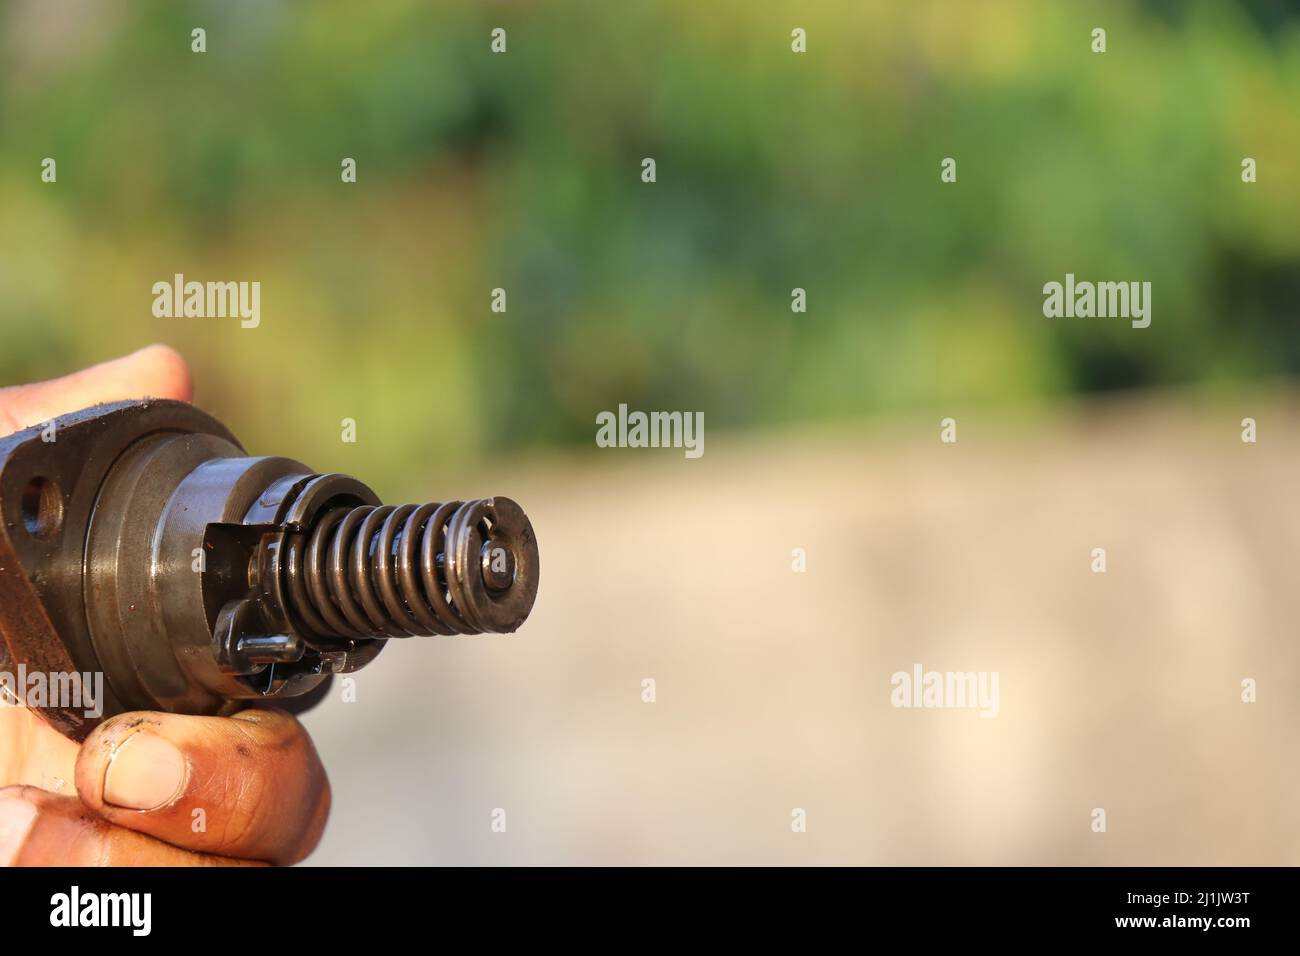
{"x": 139, "y": 541}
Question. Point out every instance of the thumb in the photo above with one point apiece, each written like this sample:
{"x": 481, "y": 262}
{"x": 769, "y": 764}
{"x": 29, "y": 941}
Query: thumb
{"x": 156, "y": 371}
{"x": 249, "y": 786}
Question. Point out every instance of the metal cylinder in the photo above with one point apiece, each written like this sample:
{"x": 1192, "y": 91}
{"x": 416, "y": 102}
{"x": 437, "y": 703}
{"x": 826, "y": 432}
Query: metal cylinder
{"x": 193, "y": 576}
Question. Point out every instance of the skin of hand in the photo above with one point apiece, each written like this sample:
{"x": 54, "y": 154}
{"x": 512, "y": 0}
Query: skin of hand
{"x": 151, "y": 789}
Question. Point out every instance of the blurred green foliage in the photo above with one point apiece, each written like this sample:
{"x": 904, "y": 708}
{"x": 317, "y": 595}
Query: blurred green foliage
{"x": 522, "y": 171}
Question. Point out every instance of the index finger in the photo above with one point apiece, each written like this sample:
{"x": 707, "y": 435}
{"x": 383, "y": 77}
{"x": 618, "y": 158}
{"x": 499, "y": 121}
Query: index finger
{"x": 153, "y": 372}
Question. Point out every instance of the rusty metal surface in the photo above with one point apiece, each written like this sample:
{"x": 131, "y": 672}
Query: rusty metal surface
{"x": 42, "y": 607}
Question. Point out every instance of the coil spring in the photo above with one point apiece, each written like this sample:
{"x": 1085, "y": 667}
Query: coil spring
{"x": 389, "y": 571}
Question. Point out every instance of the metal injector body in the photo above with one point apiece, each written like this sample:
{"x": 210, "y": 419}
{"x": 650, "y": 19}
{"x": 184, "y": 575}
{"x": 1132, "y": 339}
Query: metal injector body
{"x": 139, "y": 541}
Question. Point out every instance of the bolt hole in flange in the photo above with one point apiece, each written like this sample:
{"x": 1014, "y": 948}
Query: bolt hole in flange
{"x": 42, "y": 507}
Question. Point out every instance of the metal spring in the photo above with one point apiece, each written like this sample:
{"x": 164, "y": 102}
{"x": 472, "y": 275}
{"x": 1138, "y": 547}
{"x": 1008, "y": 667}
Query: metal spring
{"x": 382, "y": 571}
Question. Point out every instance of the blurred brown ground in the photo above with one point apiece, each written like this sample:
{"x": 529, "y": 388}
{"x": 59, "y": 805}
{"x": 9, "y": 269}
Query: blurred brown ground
{"x": 1119, "y": 691}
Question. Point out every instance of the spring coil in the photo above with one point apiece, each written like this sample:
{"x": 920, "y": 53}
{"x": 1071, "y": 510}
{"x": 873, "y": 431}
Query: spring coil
{"x": 383, "y": 571}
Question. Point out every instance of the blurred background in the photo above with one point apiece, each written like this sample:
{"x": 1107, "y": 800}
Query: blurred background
{"x": 775, "y": 170}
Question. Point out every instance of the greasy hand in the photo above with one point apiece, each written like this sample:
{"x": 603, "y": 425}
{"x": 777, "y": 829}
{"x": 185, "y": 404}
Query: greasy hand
{"x": 150, "y": 789}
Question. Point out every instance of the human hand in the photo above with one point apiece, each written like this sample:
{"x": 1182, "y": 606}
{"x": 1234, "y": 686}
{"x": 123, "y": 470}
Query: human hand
{"x": 150, "y": 789}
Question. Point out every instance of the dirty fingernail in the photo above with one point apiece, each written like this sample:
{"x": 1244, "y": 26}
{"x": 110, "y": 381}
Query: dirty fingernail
{"x": 145, "y": 772}
{"x": 16, "y": 819}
